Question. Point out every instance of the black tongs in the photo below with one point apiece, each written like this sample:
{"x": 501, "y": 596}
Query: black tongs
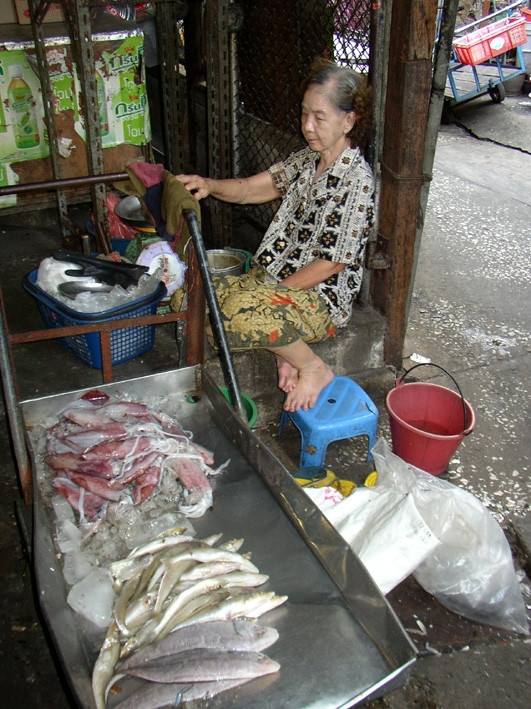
{"x": 111, "y": 272}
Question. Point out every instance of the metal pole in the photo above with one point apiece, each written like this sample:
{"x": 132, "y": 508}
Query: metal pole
{"x": 215, "y": 314}
{"x": 65, "y": 182}
{"x": 16, "y": 423}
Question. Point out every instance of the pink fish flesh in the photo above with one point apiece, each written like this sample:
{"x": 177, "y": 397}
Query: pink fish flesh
{"x": 107, "y": 445}
{"x": 100, "y": 468}
{"x": 97, "y": 486}
{"x": 83, "y": 440}
{"x": 85, "y": 502}
{"x": 139, "y": 466}
{"x": 190, "y": 474}
{"x": 146, "y": 484}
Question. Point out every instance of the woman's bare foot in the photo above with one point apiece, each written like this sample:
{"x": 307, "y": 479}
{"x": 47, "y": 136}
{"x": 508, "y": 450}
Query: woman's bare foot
{"x": 311, "y": 381}
{"x": 287, "y": 374}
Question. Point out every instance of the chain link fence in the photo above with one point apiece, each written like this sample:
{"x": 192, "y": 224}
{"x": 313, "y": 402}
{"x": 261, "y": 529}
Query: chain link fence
{"x": 274, "y": 45}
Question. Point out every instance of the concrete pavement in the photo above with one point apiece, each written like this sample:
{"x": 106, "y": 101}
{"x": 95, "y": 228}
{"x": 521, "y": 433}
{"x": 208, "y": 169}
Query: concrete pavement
{"x": 470, "y": 313}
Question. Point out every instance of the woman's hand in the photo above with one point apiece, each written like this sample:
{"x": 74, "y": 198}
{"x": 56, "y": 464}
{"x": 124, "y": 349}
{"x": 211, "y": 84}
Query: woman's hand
{"x": 198, "y": 186}
{"x": 246, "y": 190}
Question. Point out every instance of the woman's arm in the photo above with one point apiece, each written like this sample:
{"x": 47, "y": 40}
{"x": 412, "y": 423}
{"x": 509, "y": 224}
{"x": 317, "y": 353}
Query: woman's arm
{"x": 312, "y": 274}
{"x": 257, "y": 189}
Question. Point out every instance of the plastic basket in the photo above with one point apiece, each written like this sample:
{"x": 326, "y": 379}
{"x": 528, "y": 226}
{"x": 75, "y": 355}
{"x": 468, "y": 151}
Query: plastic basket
{"x": 126, "y": 344}
{"x": 490, "y": 41}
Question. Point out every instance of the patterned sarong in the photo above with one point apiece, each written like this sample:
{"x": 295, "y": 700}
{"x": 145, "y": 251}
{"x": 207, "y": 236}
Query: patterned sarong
{"x": 258, "y": 315}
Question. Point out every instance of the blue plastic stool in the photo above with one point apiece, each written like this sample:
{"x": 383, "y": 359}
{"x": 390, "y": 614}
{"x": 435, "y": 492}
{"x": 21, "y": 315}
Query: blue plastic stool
{"x": 342, "y": 410}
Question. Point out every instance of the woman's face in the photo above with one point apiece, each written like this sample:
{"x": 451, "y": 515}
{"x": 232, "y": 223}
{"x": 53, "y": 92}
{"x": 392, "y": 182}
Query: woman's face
{"x": 324, "y": 126}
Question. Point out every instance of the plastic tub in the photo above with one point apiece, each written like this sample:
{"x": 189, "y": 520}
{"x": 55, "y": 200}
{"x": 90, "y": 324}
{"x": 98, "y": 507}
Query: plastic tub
{"x": 126, "y": 344}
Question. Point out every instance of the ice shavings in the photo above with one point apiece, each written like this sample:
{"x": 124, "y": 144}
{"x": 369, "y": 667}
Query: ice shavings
{"x": 93, "y": 597}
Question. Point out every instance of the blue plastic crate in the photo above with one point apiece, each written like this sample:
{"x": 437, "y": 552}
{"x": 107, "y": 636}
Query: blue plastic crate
{"x": 125, "y": 344}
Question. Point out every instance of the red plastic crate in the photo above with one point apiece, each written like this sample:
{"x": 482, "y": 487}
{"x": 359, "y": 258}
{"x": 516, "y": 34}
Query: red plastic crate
{"x": 490, "y": 41}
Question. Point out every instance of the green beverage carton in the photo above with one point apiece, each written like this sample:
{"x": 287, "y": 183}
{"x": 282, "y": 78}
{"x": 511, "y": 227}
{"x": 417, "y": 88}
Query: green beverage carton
{"x": 22, "y": 109}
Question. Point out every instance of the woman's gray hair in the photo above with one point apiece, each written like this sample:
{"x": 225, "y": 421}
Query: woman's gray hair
{"x": 348, "y": 91}
{"x": 344, "y": 84}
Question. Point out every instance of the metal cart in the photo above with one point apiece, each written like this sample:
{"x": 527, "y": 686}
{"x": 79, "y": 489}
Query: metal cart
{"x": 486, "y": 53}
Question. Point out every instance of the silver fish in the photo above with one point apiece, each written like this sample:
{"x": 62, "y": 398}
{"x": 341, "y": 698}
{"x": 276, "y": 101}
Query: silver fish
{"x": 251, "y": 605}
{"x": 170, "y": 578}
{"x": 197, "y": 605}
{"x": 158, "y": 544}
{"x": 236, "y": 578}
{"x": 121, "y": 603}
{"x": 204, "y": 665}
{"x": 155, "y": 696}
{"x": 232, "y": 544}
{"x": 239, "y": 634}
{"x": 208, "y": 569}
{"x": 105, "y": 663}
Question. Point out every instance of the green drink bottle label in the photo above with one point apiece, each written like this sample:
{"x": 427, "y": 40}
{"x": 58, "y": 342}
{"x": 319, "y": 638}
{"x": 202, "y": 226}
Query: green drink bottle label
{"x": 22, "y": 110}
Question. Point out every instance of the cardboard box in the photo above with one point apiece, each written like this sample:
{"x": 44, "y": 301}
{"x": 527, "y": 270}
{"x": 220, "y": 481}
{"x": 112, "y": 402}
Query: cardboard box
{"x": 8, "y": 16}
{"x": 54, "y": 14}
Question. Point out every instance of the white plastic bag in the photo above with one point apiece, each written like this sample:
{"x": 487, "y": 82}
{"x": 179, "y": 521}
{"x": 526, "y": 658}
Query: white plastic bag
{"x": 384, "y": 529}
{"x": 471, "y": 572}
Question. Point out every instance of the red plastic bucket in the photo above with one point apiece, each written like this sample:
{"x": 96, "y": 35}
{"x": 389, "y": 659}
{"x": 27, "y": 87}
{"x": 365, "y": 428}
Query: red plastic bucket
{"x": 428, "y": 422}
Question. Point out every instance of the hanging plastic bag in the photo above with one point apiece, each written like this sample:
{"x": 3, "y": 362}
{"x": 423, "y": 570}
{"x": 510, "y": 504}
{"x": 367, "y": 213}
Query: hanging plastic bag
{"x": 471, "y": 572}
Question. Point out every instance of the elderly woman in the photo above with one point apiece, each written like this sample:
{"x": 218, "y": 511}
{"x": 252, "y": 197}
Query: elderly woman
{"x": 308, "y": 268}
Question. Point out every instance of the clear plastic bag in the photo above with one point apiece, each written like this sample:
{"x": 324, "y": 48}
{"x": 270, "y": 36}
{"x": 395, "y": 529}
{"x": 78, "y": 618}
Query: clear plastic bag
{"x": 471, "y": 571}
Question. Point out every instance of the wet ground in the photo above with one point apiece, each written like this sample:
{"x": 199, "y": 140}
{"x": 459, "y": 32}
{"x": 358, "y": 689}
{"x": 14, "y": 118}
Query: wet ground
{"x": 469, "y": 314}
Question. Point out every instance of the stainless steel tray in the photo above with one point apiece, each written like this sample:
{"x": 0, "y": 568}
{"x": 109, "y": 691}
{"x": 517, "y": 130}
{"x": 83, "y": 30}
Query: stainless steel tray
{"x": 340, "y": 641}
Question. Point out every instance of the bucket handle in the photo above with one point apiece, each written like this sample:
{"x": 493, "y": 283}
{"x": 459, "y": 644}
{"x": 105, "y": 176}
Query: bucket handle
{"x": 430, "y": 364}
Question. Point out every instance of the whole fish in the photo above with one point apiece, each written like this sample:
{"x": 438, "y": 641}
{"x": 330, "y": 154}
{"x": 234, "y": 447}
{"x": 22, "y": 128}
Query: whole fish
{"x": 105, "y": 663}
{"x": 239, "y": 634}
{"x": 251, "y": 605}
{"x": 121, "y": 603}
{"x": 156, "y": 696}
{"x": 155, "y": 545}
{"x": 238, "y": 579}
{"x": 200, "y": 604}
{"x": 205, "y": 665}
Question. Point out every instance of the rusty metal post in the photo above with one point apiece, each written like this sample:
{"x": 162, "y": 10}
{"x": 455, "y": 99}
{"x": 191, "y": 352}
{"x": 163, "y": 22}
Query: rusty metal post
{"x": 14, "y": 414}
{"x": 166, "y": 18}
{"x": 79, "y": 24}
{"x": 409, "y": 81}
{"x": 219, "y": 113}
{"x": 38, "y": 10}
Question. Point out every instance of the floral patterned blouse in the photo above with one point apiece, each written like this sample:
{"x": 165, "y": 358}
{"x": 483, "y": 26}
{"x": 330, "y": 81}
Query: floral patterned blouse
{"x": 330, "y": 219}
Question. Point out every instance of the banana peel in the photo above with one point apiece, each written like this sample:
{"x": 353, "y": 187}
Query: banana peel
{"x": 321, "y": 477}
